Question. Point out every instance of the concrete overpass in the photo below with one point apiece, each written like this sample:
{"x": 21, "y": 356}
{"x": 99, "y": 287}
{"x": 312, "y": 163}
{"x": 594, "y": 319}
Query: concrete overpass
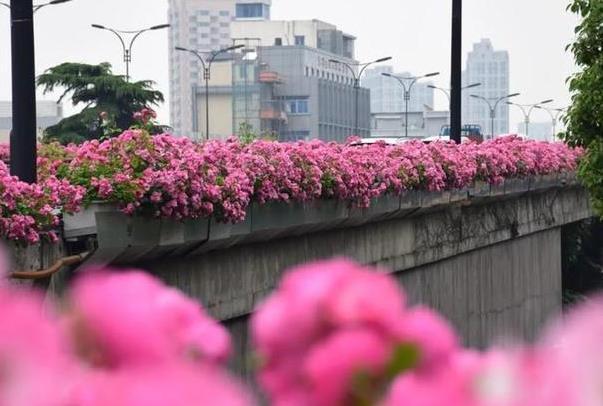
{"x": 488, "y": 258}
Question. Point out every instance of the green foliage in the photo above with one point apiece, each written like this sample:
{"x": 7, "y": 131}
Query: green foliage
{"x": 247, "y": 134}
{"x": 582, "y": 256}
{"x": 109, "y": 101}
{"x": 585, "y": 117}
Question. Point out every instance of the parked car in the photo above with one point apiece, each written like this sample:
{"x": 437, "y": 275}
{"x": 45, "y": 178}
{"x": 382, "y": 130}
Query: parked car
{"x": 441, "y": 138}
{"x": 386, "y": 140}
{"x": 472, "y": 132}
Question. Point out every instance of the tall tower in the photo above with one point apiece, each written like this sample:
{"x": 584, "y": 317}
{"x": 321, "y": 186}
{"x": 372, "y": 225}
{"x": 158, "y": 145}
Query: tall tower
{"x": 202, "y": 25}
{"x": 491, "y": 69}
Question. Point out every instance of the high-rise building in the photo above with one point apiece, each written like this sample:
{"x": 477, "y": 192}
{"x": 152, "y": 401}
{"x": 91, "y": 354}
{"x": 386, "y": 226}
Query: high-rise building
{"x": 387, "y": 96}
{"x": 202, "y": 25}
{"x": 490, "y": 68}
{"x": 288, "y": 84}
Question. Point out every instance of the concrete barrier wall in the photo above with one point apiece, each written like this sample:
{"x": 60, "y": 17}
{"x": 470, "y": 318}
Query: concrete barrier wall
{"x": 504, "y": 292}
{"x": 491, "y": 265}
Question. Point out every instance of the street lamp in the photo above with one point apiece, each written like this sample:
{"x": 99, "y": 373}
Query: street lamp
{"x": 555, "y": 115}
{"x": 447, "y": 91}
{"x": 527, "y": 109}
{"x": 407, "y": 89}
{"x": 127, "y": 50}
{"x": 207, "y": 73}
{"x": 36, "y": 7}
{"x": 493, "y": 107}
{"x": 357, "y": 77}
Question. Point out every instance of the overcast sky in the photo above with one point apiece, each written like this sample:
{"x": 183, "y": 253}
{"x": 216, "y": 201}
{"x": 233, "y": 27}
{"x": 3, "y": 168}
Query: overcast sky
{"x": 415, "y": 32}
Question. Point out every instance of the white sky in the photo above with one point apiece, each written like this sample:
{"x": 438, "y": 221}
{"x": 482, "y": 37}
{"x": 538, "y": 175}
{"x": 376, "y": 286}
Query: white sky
{"x": 415, "y": 32}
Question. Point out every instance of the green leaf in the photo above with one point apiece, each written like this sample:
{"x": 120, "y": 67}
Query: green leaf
{"x": 405, "y": 357}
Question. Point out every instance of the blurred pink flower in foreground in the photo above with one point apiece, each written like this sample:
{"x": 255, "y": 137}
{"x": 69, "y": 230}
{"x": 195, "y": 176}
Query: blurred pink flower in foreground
{"x": 155, "y": 323}
{"x": 334, "y": 324}
{"x": 333, "y": 333}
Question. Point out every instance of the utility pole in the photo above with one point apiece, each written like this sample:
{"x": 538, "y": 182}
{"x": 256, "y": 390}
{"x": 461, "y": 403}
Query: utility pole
{"x": 456, "y": 71}
{"x": 23, "y": 135}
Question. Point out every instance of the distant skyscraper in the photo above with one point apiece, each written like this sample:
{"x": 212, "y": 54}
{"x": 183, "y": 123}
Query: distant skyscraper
{"x": 387, "y": 96}
{"x": 202, "y": 25}
{"x": 491, "y": 69}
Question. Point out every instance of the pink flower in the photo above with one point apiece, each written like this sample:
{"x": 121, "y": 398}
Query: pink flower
{"x": 156, "y": 324}
{"x": 37, "y": 369}
{"x": 171, "y": 384}
{"x": 331, "y": 322}
{"x": 333, "y": 365}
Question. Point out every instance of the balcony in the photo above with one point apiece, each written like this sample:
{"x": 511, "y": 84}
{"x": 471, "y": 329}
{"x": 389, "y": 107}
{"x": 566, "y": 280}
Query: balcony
{"x": 270, "y": 77}
{"x": 272, "y": 113}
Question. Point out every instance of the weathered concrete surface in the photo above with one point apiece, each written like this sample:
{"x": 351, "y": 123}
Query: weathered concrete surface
{"x": 231, "y": 282}
{"x": 33, "y": 258}
{"x": 503, "y": 291}
{"x": 491, "y": 264}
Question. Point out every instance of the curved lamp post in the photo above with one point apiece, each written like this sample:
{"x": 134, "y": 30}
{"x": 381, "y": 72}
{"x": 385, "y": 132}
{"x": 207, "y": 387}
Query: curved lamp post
{"x": 555, "y": 115}
{"x": 447, "y": 91}
{"x": 206, "y": 62}
{"x": 127, "y": 49}
{"x": 407, "y": 84}
{"x": 492, "y": 105}
{"x": 527, "y": 109}
{"x": 352, "y": 68}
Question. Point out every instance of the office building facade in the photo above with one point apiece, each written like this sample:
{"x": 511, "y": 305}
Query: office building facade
{"x": 204, "y": 26}
{"x": 387, "y": 95}
{"x": 287, "y": 84}
{"x": 489, "y": 67}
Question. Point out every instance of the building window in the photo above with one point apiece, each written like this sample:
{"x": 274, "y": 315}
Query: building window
{"x": 278, "y": 42}
{"x": 300, "y": 40}
{"x": 224, "y": 13}
{"x": 204, "y": 12}
{"x": 297, "y": 105}
{"x": 253, "y": 10}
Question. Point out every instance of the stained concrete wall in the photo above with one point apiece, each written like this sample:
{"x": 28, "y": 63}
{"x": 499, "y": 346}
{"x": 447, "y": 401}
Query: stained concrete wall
{"x": 503, "y": 291}
{"x": 491, "y": 265}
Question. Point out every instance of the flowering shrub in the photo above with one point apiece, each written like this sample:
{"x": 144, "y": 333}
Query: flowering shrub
{"x": 4, "y": 152}
{"x": 125, "y": 340}
{"x": 176, "y": 178}
{"x": 29, "y": 211}
{"x": 333, "y": 333}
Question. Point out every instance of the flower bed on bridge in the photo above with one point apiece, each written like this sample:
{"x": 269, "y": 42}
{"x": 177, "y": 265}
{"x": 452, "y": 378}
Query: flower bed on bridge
{"x": 164, "y": 176}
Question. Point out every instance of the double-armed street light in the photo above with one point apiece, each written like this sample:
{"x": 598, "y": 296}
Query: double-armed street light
{"x": 447, "y": 91}
{"x": 527, "y": 109}
{"x": 352, "y": 67}
{"x": 492, "y": 106}
{"x": 127, "y": 49}
{"x": 407, "y": 84}
{"x": 555, "y": 116}
{"x": 207, "y": 62}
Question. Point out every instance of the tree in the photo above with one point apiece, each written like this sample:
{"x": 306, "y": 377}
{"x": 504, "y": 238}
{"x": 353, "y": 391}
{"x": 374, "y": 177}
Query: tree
{"x": 109, "y": 100}
{"x": 585, "y": 117}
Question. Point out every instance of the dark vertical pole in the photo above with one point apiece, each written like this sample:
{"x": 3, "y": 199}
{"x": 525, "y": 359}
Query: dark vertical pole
{"x": 356, "y": 95}
{"x": 23, "y": 135}
{"x": 456, "y": 71}
{"x": 406, "y": 100}
{"x": 207, "y": 76}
